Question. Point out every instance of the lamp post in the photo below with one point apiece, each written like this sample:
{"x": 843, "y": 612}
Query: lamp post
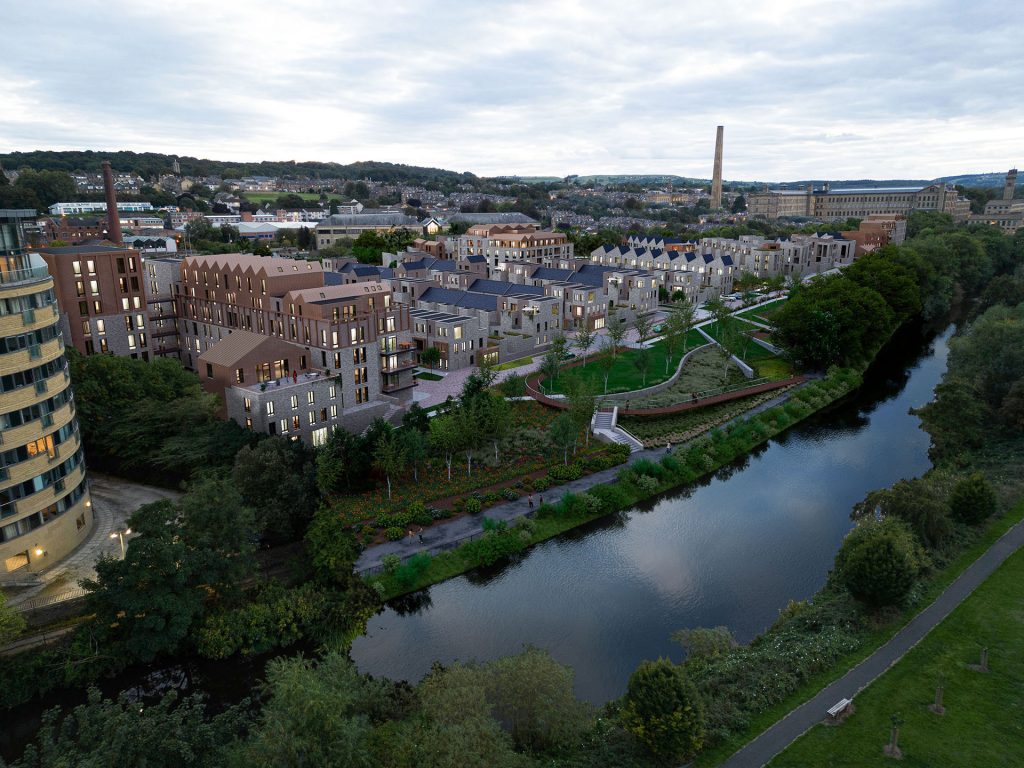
{"x": 119, "y": 535}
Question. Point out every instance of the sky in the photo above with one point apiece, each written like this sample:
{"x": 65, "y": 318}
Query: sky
{"x": 840, "y": 90}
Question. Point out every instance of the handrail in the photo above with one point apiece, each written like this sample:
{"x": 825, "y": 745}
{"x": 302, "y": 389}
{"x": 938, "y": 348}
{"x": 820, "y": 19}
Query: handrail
{"x": 11, "y": 276}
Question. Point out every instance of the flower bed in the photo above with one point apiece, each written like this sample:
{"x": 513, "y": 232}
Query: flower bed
{"x": 703, "y": 371}
{"x": 680, "y": 427}
{"x": 525, "y": 459}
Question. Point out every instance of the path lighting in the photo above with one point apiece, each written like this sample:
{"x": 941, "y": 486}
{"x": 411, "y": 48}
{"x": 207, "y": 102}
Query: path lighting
{"x": 119, "y": 535}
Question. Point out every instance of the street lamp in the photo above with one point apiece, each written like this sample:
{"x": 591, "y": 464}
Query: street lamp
{"x": 119, "y": 535}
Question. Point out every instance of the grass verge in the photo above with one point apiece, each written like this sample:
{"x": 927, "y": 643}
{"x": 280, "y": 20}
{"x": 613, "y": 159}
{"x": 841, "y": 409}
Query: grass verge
{"x": 872, "y": 642}
{"x": 982, "y": 724}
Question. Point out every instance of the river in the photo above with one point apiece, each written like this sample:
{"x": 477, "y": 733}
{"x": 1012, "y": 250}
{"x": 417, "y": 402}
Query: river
{"x": 730, "y": 551}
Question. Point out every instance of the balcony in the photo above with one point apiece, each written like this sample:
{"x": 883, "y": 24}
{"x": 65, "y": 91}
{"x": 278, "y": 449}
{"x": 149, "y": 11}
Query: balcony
{"x": 28, "y": 275}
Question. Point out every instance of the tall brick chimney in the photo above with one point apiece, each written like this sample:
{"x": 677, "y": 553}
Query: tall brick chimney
{"x": 716, "y": 176}
{"x": 113, "y": 217}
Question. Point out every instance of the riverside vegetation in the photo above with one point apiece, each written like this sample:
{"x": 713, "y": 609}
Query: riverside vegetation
{"x": 520, "y": 710}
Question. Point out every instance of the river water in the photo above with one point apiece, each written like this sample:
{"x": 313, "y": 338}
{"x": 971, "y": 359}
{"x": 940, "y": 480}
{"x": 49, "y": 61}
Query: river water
{"x": 730, "y": 551}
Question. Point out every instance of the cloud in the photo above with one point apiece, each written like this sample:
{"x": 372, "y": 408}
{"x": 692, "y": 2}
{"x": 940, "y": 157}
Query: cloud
{"x": 910, "y": 88}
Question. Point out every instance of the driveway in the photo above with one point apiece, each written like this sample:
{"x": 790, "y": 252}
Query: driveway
{"x": 113, "y": 502}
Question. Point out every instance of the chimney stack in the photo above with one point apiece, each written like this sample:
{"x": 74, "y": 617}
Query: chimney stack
{"x": 1011, "y": 183}
{"x": 113, "y": 217}
{"x": 716, "y": 178}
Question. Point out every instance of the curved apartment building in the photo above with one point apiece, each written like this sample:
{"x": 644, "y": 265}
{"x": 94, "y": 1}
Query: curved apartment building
{"x": 45, "y": 511}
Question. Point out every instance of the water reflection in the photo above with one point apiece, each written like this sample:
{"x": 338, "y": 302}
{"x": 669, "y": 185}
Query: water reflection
{"x": 731, "y": 550}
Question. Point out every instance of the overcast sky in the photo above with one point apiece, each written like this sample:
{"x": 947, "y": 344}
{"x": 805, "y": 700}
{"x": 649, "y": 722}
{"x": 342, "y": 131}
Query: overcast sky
{"x": 913, "y": 89}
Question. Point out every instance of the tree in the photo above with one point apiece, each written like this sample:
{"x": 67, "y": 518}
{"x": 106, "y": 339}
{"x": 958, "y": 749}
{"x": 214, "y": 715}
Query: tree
{"x": 642, "y": 325}
{"x": 972, "y": 500}
{"x": 563, "y": 433}
{"x": 678, "y": 324}
{"x": 101, "y": 733}
{"x": 705, "y": 643}
{"x": 642, "y": 361}
{"x": 582, "y": 405}
{"x": 664, "y": 711}
{"x": 879, "y": 561}
{"x": 617, "y": 329}
{"x": 832, "y": 321}
{"x": 550, "y": 365}
{"x": 389, "y": 457}
{"x": 277, "y": 480}
{"x": 739, "y": 204}
{"x": 12, "y": 623}
{"x": 513, "y": 385}
{"x": 48, "y": 187}
{"x": 430, "y": 356}
{"x": 416, "y": 418}
{"x": 414, "y": 444}
{"x": 151, "y": 599}
{"x": 469, "y": 420}
{"x": 315, "y": 713}
{"x": 606, "y": 361}
{"x": 532, "y": 695}
{"x": 343, "y": 463}
{"x": 495, "y": 421}
{"x": 585, "y": 337}
{"x": 920, "y": 502}
{"x": 444, "y": 438}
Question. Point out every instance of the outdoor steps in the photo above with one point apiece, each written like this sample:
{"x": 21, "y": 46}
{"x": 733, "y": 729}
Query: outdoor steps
{"x": 603, "y": 425}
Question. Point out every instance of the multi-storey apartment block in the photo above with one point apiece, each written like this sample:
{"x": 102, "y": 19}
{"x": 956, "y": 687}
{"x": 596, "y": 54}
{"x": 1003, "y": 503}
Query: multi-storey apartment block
{"x": 503, "y": 243}
{"x": 354, "y": 333}
{"x": 102, "y": 296}
{"x": 45, "y": 510}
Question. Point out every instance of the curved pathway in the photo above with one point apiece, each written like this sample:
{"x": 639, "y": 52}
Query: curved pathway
{"x": 771, "y": 742}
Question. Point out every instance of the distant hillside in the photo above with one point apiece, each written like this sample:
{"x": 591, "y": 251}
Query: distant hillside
{"x": 979, "y": 180}
{"x": 152, "y": 164}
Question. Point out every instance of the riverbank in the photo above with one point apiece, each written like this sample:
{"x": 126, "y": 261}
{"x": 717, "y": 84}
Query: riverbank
{"x": 981, "y": 718}
{"x": 650, "y": 474}
{"x": 879, "y": 635}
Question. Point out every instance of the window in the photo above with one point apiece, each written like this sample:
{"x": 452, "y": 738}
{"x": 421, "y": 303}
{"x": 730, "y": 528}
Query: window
{"x": 86, "y": 329}
{"x": 332, "y": 392}
{"x": 309, "y": 397}
{"x": 247, "y": 405}
{"x": 295, "y": 402}
{"x": 101, "y": 326}
{"x": 270, "y": 408}
{"x": 240, "y": 375}
{"x": 209, "y": 371}
{"x": 334, "y": 411}
{"x": 83, "y": 308}
{"x": 284, "y": 426}
{"x": 296, "y": 426}
{"x": 312, "y": 418}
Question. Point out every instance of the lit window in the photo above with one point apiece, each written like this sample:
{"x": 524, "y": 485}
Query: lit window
{"x": 270, "y": 408}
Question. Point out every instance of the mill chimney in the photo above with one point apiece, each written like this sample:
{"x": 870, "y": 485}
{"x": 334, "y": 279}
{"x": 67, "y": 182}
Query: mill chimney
{"x": 113, "y": 217}
{"x": 716, "y": 178}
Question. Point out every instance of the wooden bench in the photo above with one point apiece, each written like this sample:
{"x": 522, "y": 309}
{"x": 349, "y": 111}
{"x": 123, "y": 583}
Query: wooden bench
{"x": 839, "y": 708}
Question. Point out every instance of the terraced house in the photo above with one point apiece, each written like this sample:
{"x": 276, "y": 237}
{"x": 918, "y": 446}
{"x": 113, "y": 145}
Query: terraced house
{"x": 45, "y": 510}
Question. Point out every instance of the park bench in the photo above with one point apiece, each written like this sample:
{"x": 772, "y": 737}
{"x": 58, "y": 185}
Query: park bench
{"x": 838, "y": 708}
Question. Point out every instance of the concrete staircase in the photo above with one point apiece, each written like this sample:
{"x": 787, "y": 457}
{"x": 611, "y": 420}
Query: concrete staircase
{"x": 604, "y": 424}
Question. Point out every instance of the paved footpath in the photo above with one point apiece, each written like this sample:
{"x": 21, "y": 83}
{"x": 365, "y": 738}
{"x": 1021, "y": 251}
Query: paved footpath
{"x": 760, "y": 750}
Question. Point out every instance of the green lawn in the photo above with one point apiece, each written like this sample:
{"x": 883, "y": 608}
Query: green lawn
{"x": 625, "y": 376}
{"x": 764, "y": 313}
{"x": 984, "y": 720}
{"x": 427, "y": 376}
{"x": 704, "y": 371}
{"x": 269, "y": 197}
{"x": 514, "y": 364}
{"x": 746, "y": 350}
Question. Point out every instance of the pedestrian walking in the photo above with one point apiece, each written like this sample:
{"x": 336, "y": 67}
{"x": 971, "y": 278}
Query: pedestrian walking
{"x": 420, "y": 537}
{"x": 530, "y": 499}
{"x": 668, "y": 447}
{"x": 541, "y": 502}
{"x": 693, "y": 398}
